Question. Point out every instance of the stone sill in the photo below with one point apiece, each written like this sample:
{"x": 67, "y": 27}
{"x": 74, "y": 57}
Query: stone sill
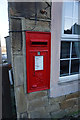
{"x": 67, "y": 79}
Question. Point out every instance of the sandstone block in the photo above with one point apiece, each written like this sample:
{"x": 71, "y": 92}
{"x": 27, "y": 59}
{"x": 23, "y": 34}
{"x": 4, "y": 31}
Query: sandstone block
{"x": 21, "y": 102}
{"x": 55, "y": 100}
{"x": 23, "y": 115}
{"x": 35, "y": 104}
{"x": 51, "y": 101}
{"x": 18, "y": 70}
{"x": 73, "y": 95}
{"x": 72, "y": 110}
{"x": 68, "y": 103}
{"x": 40, "y": 25}
{"x": 27, "y": 9}
{"x": 53, "y": 108}
{"x": 58, "y": 114}
{"x": 79, "y": 93}
{"x": 16, "y": 24}
{"x": 36, "y": 95}
{"x": 16, "y": 37}
{"x": 18, "y": 115}
{"x": 79, "y": 103}
{"x": 39, "y": 113}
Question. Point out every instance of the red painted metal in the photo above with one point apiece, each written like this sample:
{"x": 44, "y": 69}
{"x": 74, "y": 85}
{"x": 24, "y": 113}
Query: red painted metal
{"x": 38, "y": 78}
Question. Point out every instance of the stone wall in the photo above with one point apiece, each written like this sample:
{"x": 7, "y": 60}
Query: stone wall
{"x": 40, "y": 105}
{"x": 37, "y": 104}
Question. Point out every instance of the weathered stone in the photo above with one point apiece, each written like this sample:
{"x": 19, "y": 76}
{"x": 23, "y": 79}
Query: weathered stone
{"x": 16, "y": 24}
{"x": 23, "y": 115}
{"x": 55, "y": 100}
{"x": 73, "y": 95}
{"x": 79, "y": 93}
{"x": 52, "y": 108}
{"x": 39, "y": 113}
{"x": 58, "y": 114}
{"x": 36, "y": 95}
{"x": 16, "y": 37}
{"x": 21, "y": 9}
{"x": 40, "y": 25}
{"x": 79, "y": 103}
{"x": 35, "y": 104}
{"x": 26, "y": 9}
{"x": 40, "y": 6}
{"x": 16, "y": 42}
{"x": 18, "y": 70}
{"x": 68, "y": 103}
{"x": 18, "y": 115}
{"x": 60, "y": 99}
{"x": 72, "y": 110}
{"x": 51, "y": 101}
{"x": 21, "y": 102}
{"x": 79, "y": 86}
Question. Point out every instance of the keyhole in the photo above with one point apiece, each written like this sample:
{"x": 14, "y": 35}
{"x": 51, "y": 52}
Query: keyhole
{"x": 34, "y": 72}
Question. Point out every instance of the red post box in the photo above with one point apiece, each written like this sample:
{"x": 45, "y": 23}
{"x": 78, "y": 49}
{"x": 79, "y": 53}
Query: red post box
{"x": 38, "y": 49}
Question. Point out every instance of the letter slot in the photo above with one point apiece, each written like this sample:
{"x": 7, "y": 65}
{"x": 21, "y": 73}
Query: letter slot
{"x": 39, "y": 42}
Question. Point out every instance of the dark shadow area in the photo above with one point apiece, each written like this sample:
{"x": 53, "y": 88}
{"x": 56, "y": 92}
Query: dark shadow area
{"x": 8, "y": 101}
